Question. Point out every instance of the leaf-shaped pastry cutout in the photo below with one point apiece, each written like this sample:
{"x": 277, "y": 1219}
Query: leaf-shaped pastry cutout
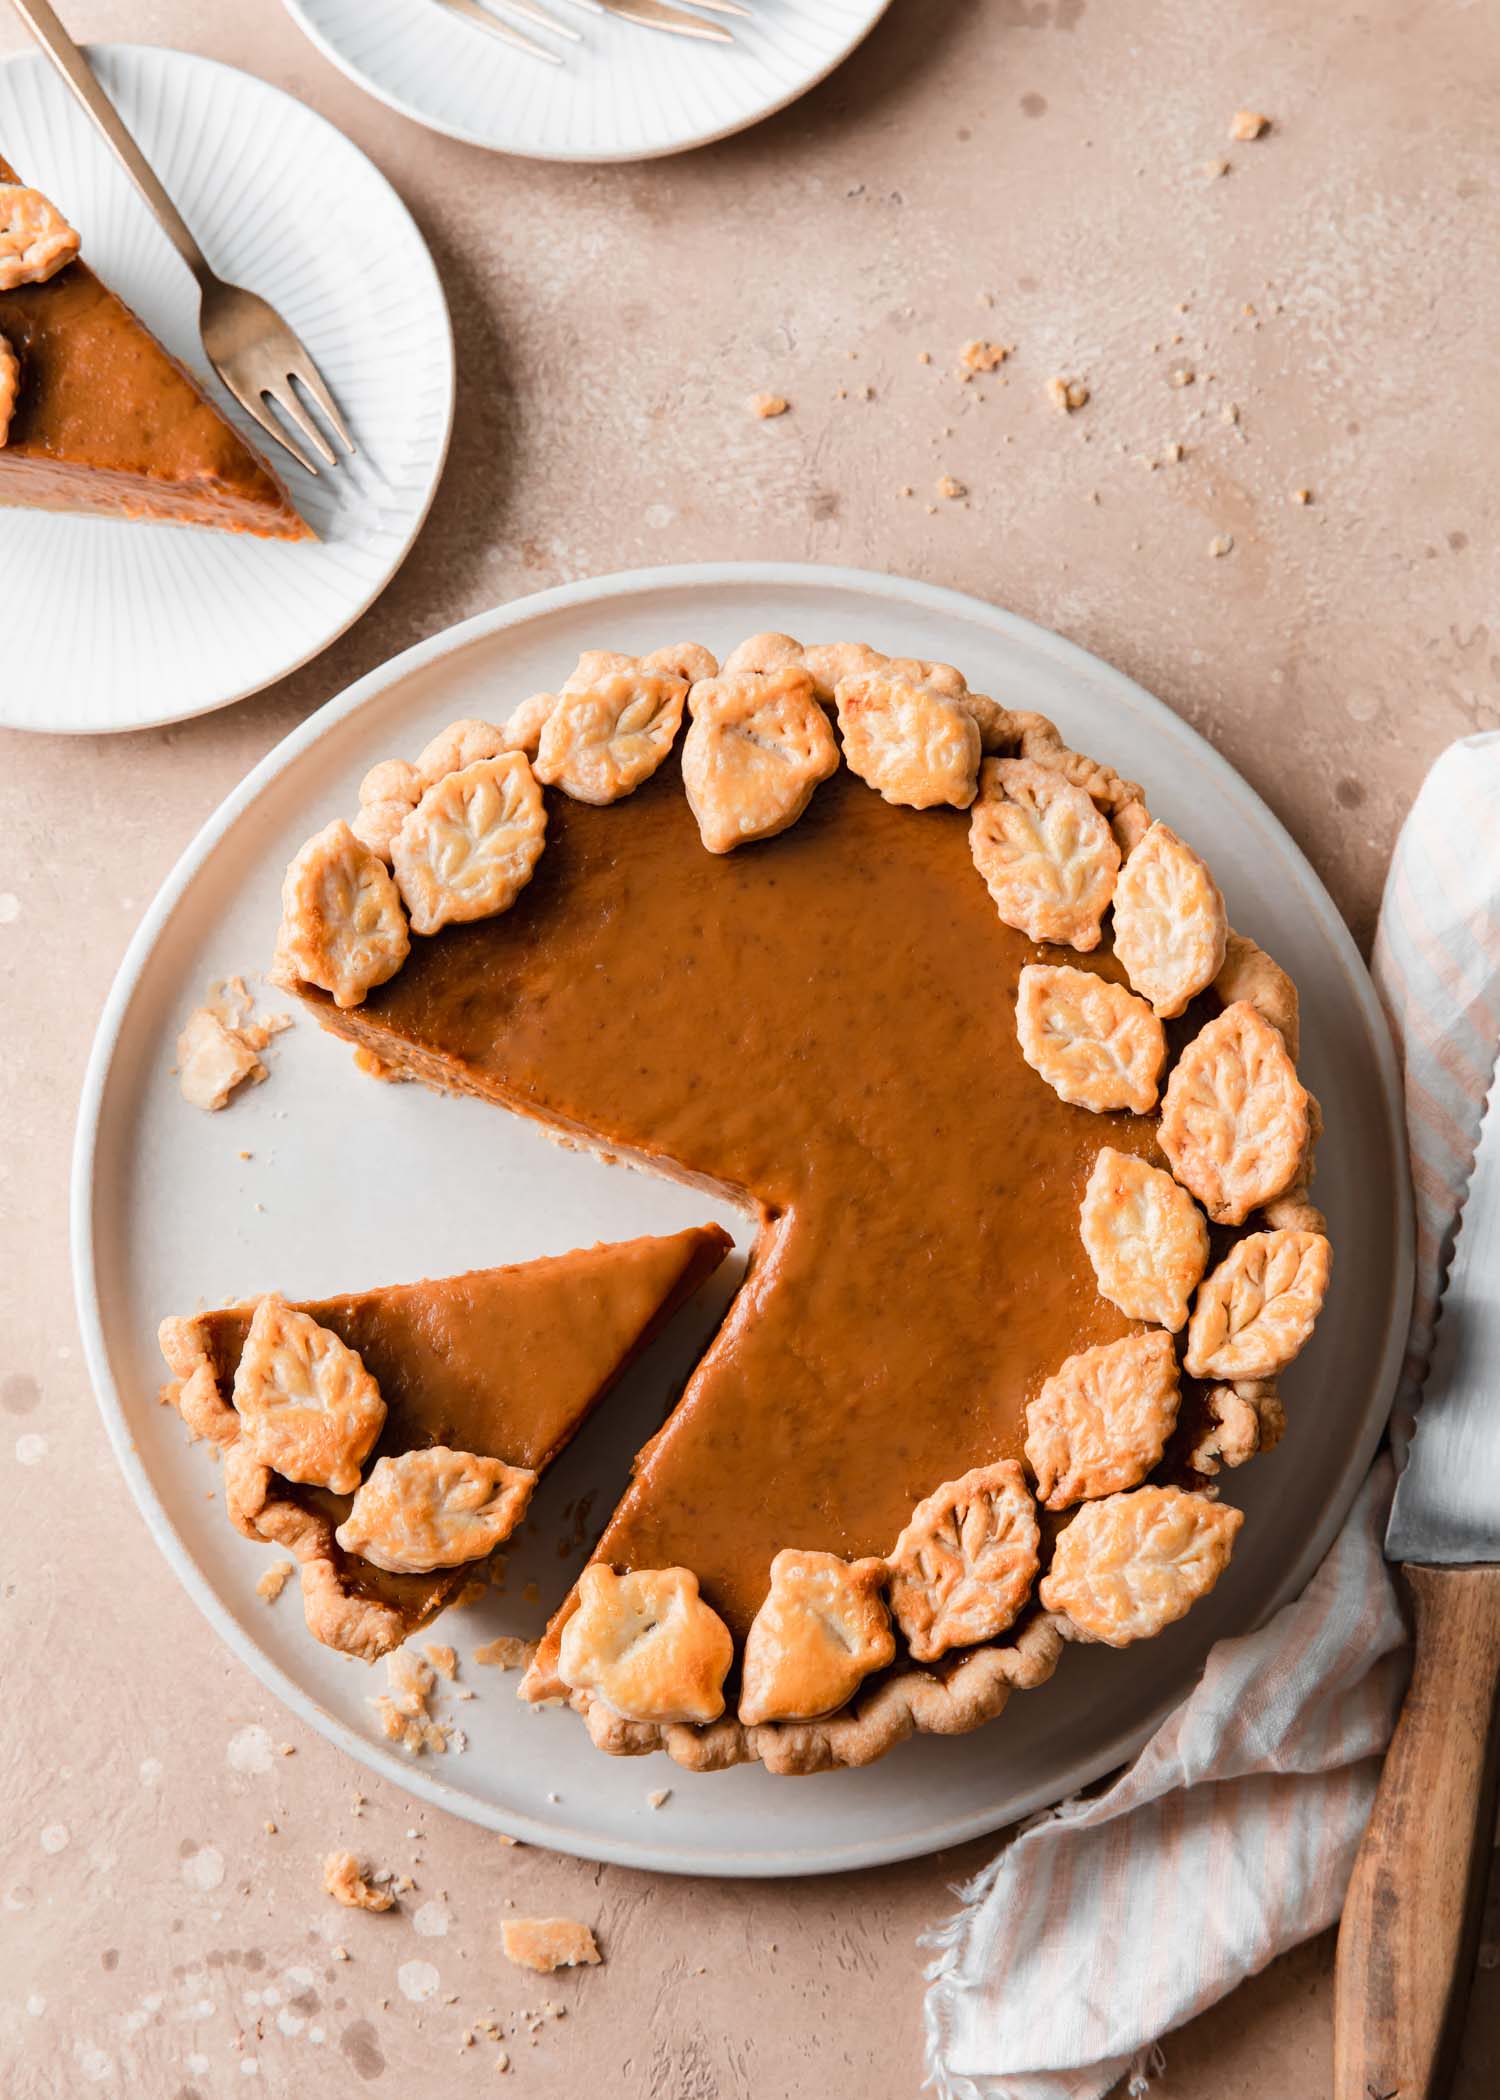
{"x": 1145, "y": 1237}
{"x": 1128, "y": 1566}
{"x": 1047, "y": 855}
{"x": 469, "y": 847}
{"x": 1234, "y": 1120}
{"x": 342, "y": 926}
{"x": 1256, "y": 1311}
{"x": 523, "y": 731}
{"x": 461, "y": 744}
{"x": 1101, "y": 1422}
{"x": 308, "y": 1408}
{"x": 1170, "y": 929}
{"x": 601, "y": 741}
{"x": 388, "y": 794}
{"x": 434, "y": 1508}
{"x": 1094, "y": 1043}
{"x": 756, "y": 748}
{"x": 911, "y": 744}
{"x": 647, "y": 1644}
{"x": 36, "y": 241}
{"x": 822, "y": 1629}
{"x": 10, "y": 386}
{"x": 964, "y": 1565}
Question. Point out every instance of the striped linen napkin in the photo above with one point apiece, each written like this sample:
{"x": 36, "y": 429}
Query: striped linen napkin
{"x": 1110, "y": 1920}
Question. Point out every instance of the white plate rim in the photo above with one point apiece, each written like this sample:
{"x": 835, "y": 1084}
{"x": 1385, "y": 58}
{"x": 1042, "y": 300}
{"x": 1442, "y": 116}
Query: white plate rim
{"x": 152, "y": 54}
{"x": 790, "y": 576}
{"x": 465, "y": 137}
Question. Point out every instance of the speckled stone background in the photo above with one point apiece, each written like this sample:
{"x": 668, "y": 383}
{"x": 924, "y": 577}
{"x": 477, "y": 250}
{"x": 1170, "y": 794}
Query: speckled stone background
{"x": 1028, "y": 171}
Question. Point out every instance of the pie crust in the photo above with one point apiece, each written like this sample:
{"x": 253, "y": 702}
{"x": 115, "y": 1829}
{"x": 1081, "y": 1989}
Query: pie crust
{"x": 1072, "y": 861}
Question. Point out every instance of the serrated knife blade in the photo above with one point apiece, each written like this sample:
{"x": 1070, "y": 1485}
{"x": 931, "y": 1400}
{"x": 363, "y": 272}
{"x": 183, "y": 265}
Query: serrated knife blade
{"x": 1447, "y": 1506}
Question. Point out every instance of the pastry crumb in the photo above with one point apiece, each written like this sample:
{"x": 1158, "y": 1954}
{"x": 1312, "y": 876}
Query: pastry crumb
{"x": 402, "y": 1711}
{"x": 767, "y": 405}
{"x": 344, "y": 1882}
{"x": 275, "y": 1580}
{"x": 1213, "y": 169}
{"x": 502, "y": 2061}
{"x": 286, "y": 1749}
{"x": 1068, "y": 395}
{"x": 506, "y": 1652}
{"x": 213, "y": 1062}
{"x": 443, "y": 1659}
{"x": 660, "y": 1798}
{"x": 545, "y": 1944}
{"x": 1181, "y": 375}
{"x": 924, "y": 357}
{"x": 951, "y": 489}
{"x": 269, "y": 1827}
{"x": 1302, "y": 496}
{"x": 1247, "y": 124}
{"x": 1220, "y": 545}
{"x": 339, "y": 1953}
{"x": 982, "y": 356}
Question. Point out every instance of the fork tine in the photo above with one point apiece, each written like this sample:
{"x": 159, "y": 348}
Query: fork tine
{"x": 471, "y": 11}
{"x": 285, "y": 397}
{"x": 529, "y": 11}
{"x": 307, "y": 375}
{"x": 255, "y": 407}
{"x": 723, "y": 7}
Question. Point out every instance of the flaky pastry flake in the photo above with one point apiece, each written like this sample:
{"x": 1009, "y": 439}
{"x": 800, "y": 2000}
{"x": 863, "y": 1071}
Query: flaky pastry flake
{"x": 1128, "y": 1566}
{"x": 1234, "y": 1119}
{"x": 599, "y": 742}
{"x": 434, "y": 1508}
{"x": 964, "y": 1565}
{"x": 757, "y": 746}
{"x": 36, "y": 241}
{"x": 347, "y": 1885}
{"x": 1257, "y": 1310}
{"x": 547, "y": 1944}
{"x": 10, "y": 386}
{"x": 472, "y": 843}
{"x": 821, "y": 1630}
{"x": 342, "y": 926}
{"x": 212, "y": 1061}
{"x": 1047, "y": 854}
{"x": 1097, "y": 1045}
{"x": 1101, "y": 1421}
{"x": 308, "y": 1408}
{"x": 388, "y": 794}
{"x": 911, "y": 744}
{"x": 647, "y": 1644}
{"x": 1169, "y": 927}
{"x": 1145, "y": 1236}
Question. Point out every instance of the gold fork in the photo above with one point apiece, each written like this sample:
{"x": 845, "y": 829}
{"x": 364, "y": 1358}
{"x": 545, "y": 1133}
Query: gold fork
{"x": 248, "y": 344}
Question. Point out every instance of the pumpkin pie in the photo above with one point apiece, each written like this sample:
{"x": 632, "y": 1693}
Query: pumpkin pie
{"x": 391, "y": 1438}
{"x": 95, "y": 415}
{"x": 1014, "y": 1109}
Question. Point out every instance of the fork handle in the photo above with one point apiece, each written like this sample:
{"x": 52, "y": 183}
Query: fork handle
{"x": 41, "y": 19}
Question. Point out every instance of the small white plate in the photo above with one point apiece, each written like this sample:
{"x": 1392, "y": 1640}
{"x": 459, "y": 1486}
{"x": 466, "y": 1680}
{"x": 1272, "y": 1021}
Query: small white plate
{"x": 621, "y": 93}
{"x": 128, "y": 625}
{"x": 364, "y": 1183}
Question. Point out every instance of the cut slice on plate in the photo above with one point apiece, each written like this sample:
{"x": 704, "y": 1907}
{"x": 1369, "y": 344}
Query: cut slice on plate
{"x": 106, "y": 421}
{"x": 495, "y": 1365}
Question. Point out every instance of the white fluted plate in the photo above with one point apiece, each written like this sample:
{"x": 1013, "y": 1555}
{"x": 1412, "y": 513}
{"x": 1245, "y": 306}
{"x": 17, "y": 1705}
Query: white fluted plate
{"x": 130, "y": 624}
{"x": 324, "y": 1181}
{"x": 623, "y": 92}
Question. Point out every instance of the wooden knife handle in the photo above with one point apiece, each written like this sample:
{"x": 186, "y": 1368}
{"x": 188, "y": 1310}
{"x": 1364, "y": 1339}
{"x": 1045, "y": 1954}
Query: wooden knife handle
{"x": 1411, "y": 1918}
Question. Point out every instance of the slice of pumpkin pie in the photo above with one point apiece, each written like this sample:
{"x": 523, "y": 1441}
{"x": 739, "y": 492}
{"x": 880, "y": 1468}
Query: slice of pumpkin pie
{"x": 391, "y": 1438}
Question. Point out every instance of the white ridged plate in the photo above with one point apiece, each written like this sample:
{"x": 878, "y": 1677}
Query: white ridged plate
{"x": 129, "y": 624}
{"x": 363, "y": 1183}
{"x": 621, "y": 93}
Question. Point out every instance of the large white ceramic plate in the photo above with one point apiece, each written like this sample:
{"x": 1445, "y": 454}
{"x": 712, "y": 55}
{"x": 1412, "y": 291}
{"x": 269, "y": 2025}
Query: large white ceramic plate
{"x": 119, "y": 625}
{"x": 365, "y": 1183}
{"x": 622, "y": 93}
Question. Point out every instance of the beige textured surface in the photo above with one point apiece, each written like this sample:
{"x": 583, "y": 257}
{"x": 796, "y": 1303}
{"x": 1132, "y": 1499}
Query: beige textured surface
{"x": 154, "y": 1937}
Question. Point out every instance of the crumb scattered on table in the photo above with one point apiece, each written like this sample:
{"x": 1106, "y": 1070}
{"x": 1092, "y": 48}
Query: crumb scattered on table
{"x": 1181, "y": 375}
{"x": 545, "y": 1944}
{"x": 951, "y": 489}
{"x": 1247, "y": 124}
{"x": 767, "y": 405}
{"x": 345, "y": 1883}
{"x": 1069, "y": 395}
{"x": 1302, "y": 495}
{"x": 981, "y": 356}
{"x": 1221, "y": 544}
{"x": 1213, "y": 169}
